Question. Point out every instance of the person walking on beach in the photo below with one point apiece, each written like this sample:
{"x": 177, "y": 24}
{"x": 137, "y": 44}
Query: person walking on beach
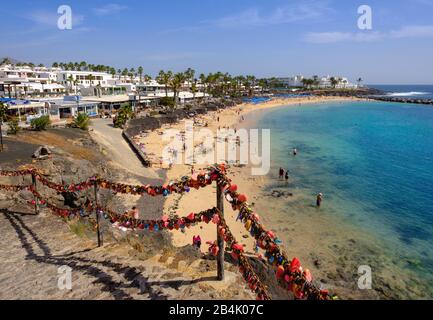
{"x": 196, "y": 241}
{"x": 134, "y": 213}
{"x": 319, "y": 199}
{"x": 281, "y": 173}
{"x": 287, "y": 176}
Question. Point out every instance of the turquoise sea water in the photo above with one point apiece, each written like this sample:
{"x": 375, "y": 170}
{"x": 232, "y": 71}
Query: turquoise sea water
{"x": 373, "y": 162}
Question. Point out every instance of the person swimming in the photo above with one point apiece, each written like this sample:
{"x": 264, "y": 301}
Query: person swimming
{"x": 295, "y": 151}
{"x": 319, "y": 199}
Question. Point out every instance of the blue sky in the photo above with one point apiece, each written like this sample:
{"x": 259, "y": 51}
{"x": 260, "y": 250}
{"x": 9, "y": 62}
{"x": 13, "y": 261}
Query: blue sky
{"x": 265, "y": 38}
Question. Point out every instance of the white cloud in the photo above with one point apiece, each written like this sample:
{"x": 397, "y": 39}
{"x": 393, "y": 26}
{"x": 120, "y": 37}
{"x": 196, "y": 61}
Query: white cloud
{"x": 404, "y": 32}
{"x": 413, "y": 32}
{"x": 306, "y": 10}
{"x": 108, "y": 9}
{"x": 333, "y": 37}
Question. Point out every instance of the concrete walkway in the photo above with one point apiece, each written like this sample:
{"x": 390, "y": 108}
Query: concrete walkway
{"x": 118, "y": 150}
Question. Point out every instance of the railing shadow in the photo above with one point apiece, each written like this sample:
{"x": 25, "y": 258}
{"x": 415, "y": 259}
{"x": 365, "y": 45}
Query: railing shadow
{"x": 87, "y": 266}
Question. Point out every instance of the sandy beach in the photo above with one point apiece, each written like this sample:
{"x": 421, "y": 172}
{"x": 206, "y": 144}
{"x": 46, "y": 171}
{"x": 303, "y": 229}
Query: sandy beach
{"x": 198, "y": 200}
{"x": 332, "y": 249}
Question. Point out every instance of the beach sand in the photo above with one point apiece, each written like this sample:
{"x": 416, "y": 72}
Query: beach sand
{"x": 332, "y": 249}
{"x": 198, "y": 200}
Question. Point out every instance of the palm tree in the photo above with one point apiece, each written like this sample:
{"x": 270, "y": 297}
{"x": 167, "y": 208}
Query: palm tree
{"x": 165, "y": 79}
{"x": 83, "y": 65}
{"x": 140, "y": 72}
{"x": 71, "y": 81}
{"x": 263, "y": 83}
{"x": 251, "y": 83}
{"x": 113, "y": 72}
{"x": 91, "y": 77}
{"x": 316, "y": 81}
{"x": 226, "y": 82}
{"x": 194, "y": 88}
{"x": 147, "y": 78}
{"x": 190, "y": 73}
{"x": 55, "y": 65}
{"x": 119, "y": 72}
{"x": 202, "y": 79}
{"x": 334, "y": 82}
{"x": 307, "y": 82}
{"x": 359, "y": 82}
{"x": 125, "y": 73}
{"x": 6, "y": 61}
{"x": 210, "y": 81}
{"x": 132, "y": 71}
{"x": 176, "y": 83}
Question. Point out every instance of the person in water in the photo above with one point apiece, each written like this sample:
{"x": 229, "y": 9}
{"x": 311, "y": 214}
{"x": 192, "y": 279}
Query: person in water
{"x": 295, "y": 152}
{"x": 287, "y": 176}
{"x": 319, "y": 199}
{"x": 281, "y": 173}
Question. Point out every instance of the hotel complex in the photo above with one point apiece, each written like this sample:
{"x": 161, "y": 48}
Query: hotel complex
{"x": 31, "y": 92}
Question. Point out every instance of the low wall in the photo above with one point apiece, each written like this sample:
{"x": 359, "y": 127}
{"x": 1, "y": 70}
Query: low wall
{"x": 139, "y": 153}
{"x": 135, "y": 126}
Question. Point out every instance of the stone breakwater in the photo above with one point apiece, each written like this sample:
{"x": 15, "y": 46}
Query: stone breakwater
{"x": 403, "y": 100}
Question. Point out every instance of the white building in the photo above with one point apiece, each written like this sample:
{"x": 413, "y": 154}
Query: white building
{"x": 342, "y": 82}
{"x": 83, "y": 78}
{"x": 28, "y": 74}
{"x": 295, "y": 81}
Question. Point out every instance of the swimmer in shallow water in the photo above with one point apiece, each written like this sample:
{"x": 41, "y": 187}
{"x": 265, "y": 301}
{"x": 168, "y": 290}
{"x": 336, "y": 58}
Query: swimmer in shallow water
{"x": 319, "y": 199}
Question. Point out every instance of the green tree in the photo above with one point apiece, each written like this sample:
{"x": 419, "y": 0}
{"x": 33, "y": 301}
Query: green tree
{"x": 125, "y": 73}
{"x": 71, "y": 81}
{"x": 124, "y": 114}
{"x": 177, "y": 83}
{"x": 14, "y": 126}
{"x": 316, "y": 81}
{"x": 334, "y": 82}
{"x": 194, "y": 88}
{"x": 81, "y": 121}
{"x": 189, "y": 74}
{"x": 140, "y": 72}
{"x": 91, "y": 78}
{"x": 83, "y": 65}
{"x": 41, "y": 123}
{"x": 165, "y": 78}
{"x": 6, "y": 61}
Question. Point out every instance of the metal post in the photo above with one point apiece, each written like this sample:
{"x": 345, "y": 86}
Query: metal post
{"x": 220, "y": 238}
{"x": 97, "y": 214}
{"x": 1, "y": 134}
{"x": 35, "y": 189}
